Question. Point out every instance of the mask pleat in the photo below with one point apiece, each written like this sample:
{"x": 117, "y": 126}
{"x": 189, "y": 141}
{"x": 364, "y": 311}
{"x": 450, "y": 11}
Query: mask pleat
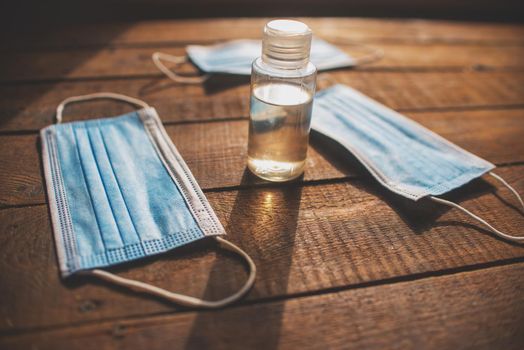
{"x": 394, "y": 138}
{"x": 437, "y": 156}
{"x": 152, "y": 198}
{"x": 77, "y": 193}
{"x": 131, "y": 173}
{"x": 97, "y": 191}
{"x": 378, "y": 144}
{"x": 405, "y": 147}
{"x": 126, "y": 229}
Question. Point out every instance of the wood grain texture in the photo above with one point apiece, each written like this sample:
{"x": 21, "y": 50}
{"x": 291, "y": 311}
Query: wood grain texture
{"x": 342, "y": 262}
{"x": 447, "y": 312}
{"x": 195, "y": 31}
{"x": 91, "y": 63}
{"x": 303, "y": 240}
{"x": 216, "y": 152}
{"x": 32, "y": 106}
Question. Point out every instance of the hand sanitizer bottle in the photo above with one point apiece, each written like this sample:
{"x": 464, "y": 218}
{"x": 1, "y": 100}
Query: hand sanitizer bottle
{"x": 282, "y": 91}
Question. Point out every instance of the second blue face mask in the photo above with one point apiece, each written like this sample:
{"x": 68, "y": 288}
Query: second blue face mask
{"x": 401, "y": 154}
{"x": 237, "y": 56}
{"x": 119, "y": 191}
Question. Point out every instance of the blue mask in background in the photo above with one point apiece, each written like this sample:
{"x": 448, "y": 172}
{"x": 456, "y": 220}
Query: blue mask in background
{"x": 118, "y": 191}
{"x": 237, "y": 56}
{"x": 401, "y": 154}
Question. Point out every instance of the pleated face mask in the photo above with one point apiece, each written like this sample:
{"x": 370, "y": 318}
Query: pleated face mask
{"x": 402, "y": 155}
{"x": 119, "y": 191}
{"x": 237, "y": 56}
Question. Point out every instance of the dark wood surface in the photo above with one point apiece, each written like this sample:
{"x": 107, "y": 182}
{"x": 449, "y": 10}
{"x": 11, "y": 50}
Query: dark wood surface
{"x": 53, "y": 11}
{"x": 342, "y": 262}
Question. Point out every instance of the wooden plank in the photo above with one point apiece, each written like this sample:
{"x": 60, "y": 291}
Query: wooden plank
{"x": 480, "y": 309}
{"x": 212, "y": 30}
{"x": 303, "y": 240}
{"x": 220, "y": 148}
{"x": 136, "y": 62}
{"x": 31, "y": 107}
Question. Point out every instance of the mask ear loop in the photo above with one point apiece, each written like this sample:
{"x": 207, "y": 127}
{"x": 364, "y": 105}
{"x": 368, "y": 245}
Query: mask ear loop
{"x": 373, "y": 53}
{"x": 138, "y": 286}
{"x": 98, "y": 95}
{"x": 181, "y": 299}
{"x": 479, "y": 219}
{"x": 157, "y": 60}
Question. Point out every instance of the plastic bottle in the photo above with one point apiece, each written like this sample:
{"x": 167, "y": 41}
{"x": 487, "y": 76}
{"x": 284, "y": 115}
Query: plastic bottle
{"x": 282, "y": 91}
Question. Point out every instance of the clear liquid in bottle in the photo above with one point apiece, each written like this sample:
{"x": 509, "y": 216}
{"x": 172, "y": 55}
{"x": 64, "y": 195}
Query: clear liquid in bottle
{"x": 280, "y": 116}
{"x": 282, "y": 90}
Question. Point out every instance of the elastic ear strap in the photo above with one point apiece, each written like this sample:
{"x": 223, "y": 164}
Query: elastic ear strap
{"x": 482, "y": 221}
{"x": 98, "y": 95}
{"x": 373, "y": 53}
{"x": 157, "y": 60}
{"x": 182, "y": 299}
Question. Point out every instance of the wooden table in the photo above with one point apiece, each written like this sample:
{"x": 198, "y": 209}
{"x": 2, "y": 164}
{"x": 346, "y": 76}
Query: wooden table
{"x": 342, "y": 263}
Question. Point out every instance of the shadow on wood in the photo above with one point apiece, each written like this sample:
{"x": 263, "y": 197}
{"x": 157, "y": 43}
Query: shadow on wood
{"x": 255, "y": 209}
{"x": 33, "y": 99}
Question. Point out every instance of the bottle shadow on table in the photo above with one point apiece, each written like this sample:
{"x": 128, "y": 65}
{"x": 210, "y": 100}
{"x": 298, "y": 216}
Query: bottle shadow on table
{"x": 220, "y": 82}
{"x": 263, "y": 221}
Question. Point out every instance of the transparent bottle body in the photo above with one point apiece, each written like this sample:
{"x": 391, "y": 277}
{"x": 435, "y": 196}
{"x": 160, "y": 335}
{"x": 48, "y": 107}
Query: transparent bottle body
{"x": 280, "y": 119}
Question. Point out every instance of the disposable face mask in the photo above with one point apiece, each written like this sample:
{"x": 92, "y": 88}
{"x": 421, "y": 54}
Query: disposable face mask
{"x": 236, "y": 57}
{"x": 118, "y": 191}
{"x": 402, "y": 155}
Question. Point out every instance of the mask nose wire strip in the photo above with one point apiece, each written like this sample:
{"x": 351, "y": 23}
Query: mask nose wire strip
{"x": 482, "y": 221}
{"x": 98, "y": 95}
{"x": 157, "y": 60}
{"x": 182, "y": 299}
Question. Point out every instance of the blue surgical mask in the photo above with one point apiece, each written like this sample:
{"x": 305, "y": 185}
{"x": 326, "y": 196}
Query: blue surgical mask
{"x": 119, "y": 191}
{"x": 237, "y": 56}
{"x": 401, "y": 154}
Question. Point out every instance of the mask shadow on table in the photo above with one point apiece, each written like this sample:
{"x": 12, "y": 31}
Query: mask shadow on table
{"x": 264, "y": 221}
{"x": 421, "y": 215}
{"x": 221, "y": 82}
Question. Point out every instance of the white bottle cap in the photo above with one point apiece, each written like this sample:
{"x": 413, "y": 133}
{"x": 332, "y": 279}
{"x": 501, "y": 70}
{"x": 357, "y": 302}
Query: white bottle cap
{"x": 286, "y": 44}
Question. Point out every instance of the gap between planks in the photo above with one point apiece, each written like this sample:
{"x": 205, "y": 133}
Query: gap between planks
{"x": 497, "y": 251}
{"x": 488, "y": 107}
{"x": 22, "y": 177}
{"x": 267, "y": 300}
{"x": 263, "y": 185}
{"x": 33, "y": 106}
